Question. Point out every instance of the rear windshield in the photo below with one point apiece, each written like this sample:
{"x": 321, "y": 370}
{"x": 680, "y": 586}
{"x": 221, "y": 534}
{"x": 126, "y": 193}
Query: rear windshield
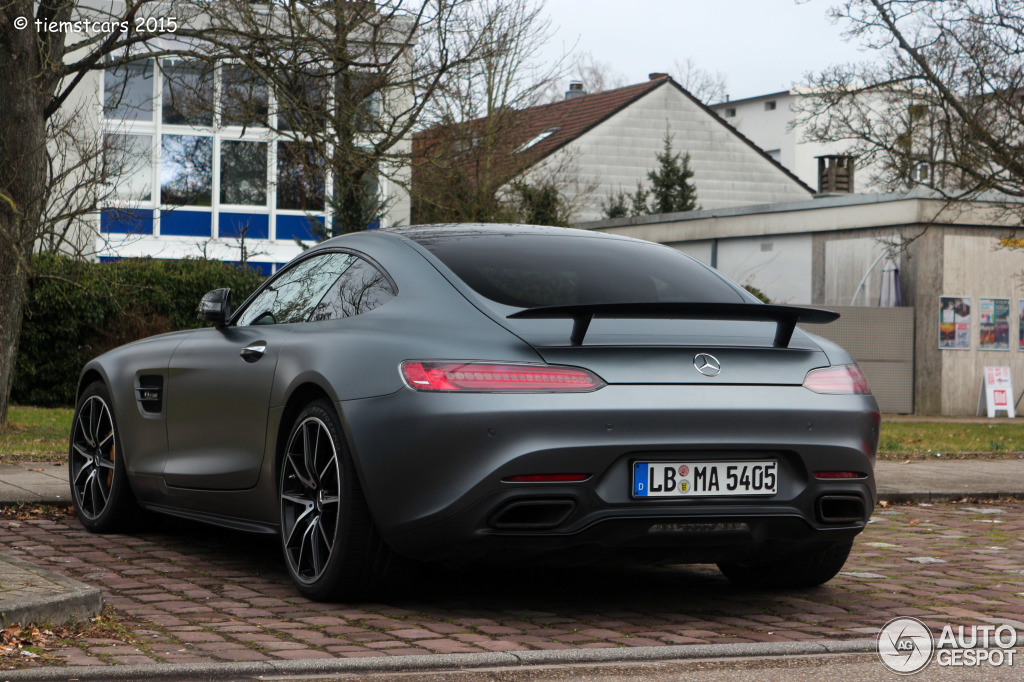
{"x": 527, "y": 271}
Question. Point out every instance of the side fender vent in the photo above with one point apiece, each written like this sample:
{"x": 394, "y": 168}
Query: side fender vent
{"x": 149, "y": 392}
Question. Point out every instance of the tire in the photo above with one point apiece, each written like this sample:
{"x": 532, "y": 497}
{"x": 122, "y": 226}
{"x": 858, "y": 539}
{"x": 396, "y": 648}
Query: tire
{"x": 100, "y": 489}
{"x": 331, "y": 548}
{"x": 806, "y": 568}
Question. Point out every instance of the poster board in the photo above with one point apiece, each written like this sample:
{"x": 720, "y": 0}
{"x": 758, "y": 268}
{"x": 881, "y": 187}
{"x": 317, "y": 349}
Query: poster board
{"x": 993, "y": 324}
{"x": 996, "y": 392}
{"x": 954, "y": 323}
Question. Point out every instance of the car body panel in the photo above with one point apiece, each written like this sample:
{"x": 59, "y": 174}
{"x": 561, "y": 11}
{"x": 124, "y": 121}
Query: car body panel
{"x": 217, "y": 406}
{"x": 432, "y": 464}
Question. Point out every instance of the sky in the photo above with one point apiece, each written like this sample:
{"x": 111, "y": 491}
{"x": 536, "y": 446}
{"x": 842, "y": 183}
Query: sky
{"x": 760, "y": 46}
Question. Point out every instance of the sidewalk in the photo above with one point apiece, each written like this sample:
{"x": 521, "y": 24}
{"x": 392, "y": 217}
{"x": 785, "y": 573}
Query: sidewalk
{"x": 918, "y": 480}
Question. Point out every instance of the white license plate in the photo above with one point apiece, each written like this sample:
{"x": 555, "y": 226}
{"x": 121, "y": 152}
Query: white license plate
{"x": 699, "y": 479}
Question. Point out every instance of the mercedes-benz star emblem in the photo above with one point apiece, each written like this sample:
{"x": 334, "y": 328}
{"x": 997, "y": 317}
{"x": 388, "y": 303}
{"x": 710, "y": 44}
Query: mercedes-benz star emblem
{"x": 706, "y": 364}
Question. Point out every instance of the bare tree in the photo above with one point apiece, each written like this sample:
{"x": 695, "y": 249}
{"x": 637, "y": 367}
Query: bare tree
{"x": 470, "y": 162}
{"x": 940, "y": 107}
{"x": 708, "y": 87}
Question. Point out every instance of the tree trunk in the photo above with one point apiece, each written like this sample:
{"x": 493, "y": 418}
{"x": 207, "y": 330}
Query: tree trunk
{"x": 27, "y": 89}
{"x": 13, "y": 277}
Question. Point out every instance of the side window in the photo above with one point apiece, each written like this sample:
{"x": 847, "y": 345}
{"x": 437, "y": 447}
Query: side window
{"x": 360, "y": 289}
{"x": 295, "y": 292}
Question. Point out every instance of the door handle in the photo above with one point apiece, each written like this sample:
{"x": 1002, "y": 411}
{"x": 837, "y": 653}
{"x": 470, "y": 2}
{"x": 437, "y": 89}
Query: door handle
{"x": 254, "y": 351}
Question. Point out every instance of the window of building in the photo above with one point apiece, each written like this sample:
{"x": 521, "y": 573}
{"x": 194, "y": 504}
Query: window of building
{"x": 187, "y": 94}
{"x": 300, "y": 178}
{"x": 243, "y": 173}
{"x": 203, "y": 141}
{"x": 730, "y": 112}
{"x": 302, "y": 103}
{"x": 769, "y": 105}
{"x": 128, "y": 92}
{"x": 186, "y": 170}
{"x": 244, "y": 98}
{"x": 538, "y": 139}
{"x": 128, "y": 161}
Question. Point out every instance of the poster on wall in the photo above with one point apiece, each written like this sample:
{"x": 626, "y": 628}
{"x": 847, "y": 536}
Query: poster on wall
{"x": 954, "y": 323}
{"x": 1020, "y": 325}
{"x": 994, "y": 324}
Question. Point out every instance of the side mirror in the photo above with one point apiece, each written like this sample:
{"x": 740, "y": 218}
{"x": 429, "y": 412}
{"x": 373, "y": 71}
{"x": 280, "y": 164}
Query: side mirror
{"x": 216, "y": 307}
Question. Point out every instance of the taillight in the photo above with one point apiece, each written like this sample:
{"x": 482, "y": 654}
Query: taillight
{"x": 838, "y": 474}
{"x": 547, "y": 478}
{"x": 843, "y": 379}
{"x": 485, "y": 377}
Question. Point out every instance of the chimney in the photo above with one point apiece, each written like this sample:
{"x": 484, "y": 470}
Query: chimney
{"x": 575, "y": 90}
{"x": 835, "y": 174}
{"x": 656, "y": 76}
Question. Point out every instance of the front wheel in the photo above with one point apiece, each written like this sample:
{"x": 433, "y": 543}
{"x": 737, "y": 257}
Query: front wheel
{"x": 100, "y": 489}
{"x": 804, "y": 568}
{"x": 331, "y": 547}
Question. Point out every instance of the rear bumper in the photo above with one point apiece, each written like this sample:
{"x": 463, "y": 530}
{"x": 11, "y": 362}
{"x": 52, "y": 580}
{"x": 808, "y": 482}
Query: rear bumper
{"x": 432, "y": 467}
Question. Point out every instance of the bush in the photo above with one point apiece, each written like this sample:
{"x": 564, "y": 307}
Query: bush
{"x": 75, "y": 310}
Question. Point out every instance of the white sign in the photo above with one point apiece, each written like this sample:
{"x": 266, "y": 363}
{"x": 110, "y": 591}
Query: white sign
{"x": 996, "y": 392}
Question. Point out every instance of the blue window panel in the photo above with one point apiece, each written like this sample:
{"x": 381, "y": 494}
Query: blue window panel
{"x": 374, "y": 224}
{"x": 252, "y": 225}
{"x": 109, "y": 259}
{"x": 292, "y": 227}
{"x": 265, "y": 269}
{"x": 132, "y": 221}
{"x": 185, "y": 223}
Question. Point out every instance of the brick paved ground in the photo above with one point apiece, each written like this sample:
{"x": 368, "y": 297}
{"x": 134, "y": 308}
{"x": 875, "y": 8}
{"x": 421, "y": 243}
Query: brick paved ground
{"x": 188, "y": 593}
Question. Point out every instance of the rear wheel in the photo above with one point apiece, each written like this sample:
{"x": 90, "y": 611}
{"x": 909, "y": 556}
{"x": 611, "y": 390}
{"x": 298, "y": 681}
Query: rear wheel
{"x": 331, "y": 547}
{"x": 806, "y": 568}
{"x": 100, "y": 489}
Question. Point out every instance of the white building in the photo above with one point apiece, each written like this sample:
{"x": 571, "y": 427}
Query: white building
{"x": 608, "y": 142}
{"x": 205, "y": 167}
{"x": 769, "y": 121}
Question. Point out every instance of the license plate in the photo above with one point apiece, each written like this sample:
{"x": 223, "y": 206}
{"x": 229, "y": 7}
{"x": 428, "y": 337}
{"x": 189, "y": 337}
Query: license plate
{"x": 700, "y": 479}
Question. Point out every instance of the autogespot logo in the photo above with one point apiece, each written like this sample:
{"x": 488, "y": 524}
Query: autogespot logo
{"x": 905, "y": 645}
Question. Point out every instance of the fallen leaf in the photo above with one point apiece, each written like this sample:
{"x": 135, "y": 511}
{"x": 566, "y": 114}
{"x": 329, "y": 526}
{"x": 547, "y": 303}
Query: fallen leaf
{"x": 914, "y": 522}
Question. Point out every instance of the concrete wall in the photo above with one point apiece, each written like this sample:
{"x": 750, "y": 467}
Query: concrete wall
{"x": 974, "y": 267}
{"x": 778, "y": 265}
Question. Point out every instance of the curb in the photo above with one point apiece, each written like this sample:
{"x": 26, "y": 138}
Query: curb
{"x": 943, "y": 498}
{"x": 437, "y": 662}
{"x": 72, "y": 600}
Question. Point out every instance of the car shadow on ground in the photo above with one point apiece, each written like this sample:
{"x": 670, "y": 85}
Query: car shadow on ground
{"x": 551, "y": 589}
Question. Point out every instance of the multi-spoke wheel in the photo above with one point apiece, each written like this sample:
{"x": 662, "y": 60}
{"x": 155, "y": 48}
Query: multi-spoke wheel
{"x": 330, "y": 545}
{"x": 99, "y": 483}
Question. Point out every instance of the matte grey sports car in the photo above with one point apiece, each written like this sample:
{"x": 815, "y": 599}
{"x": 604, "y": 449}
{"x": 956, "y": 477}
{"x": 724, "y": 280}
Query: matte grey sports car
{"x": 490, "y": 392}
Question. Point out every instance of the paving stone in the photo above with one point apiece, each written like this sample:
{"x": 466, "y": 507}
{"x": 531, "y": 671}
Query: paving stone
{"x": 215, "y": 594}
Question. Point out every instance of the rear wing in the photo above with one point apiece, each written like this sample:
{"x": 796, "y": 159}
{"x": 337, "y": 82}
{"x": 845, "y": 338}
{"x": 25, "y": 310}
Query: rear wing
{"x": 786, "y": 317}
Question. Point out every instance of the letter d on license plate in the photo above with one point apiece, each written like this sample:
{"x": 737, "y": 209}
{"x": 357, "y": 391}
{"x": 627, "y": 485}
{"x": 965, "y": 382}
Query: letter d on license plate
{"x": 701, "y": 479}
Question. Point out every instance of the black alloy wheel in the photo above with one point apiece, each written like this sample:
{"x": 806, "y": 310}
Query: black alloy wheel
{"x": 310, "y": 500}
{"x": 331, "y": 547}
{"x": 100, "y": 489}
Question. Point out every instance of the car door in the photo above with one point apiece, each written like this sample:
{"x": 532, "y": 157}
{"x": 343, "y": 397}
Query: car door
{"x": 220, "y": 380}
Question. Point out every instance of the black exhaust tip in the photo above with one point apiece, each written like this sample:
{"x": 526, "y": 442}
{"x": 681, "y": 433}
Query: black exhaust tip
{"x": 532, "y": 514}
{"x": 841, "y": 508}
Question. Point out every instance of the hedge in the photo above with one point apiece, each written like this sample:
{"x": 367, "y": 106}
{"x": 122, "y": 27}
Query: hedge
{"x": 75, "y": 310}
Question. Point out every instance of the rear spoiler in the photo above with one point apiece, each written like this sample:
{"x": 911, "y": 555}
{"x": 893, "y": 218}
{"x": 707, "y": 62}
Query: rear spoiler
{"x": 785, "y": 316}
